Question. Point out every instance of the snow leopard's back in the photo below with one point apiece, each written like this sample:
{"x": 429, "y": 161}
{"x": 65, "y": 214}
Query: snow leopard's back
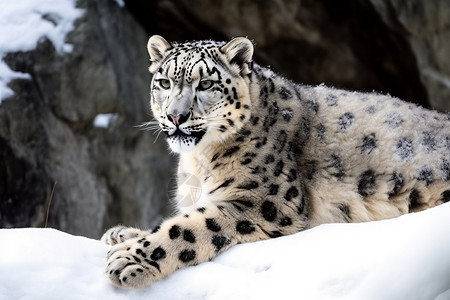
{"x": 373, "y": 156}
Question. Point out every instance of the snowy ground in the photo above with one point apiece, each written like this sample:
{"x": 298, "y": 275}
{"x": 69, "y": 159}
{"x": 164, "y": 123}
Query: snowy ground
{"x": 403, "y": 258}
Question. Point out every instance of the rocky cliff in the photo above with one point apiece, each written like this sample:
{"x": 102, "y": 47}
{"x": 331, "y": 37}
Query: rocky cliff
{"x": 390, "y": 46}
{"x": 103, "y": 175}
{"x": 118, "y": 173}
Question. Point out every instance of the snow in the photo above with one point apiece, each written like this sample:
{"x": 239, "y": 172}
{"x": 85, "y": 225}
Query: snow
{"x": 24, "y": 22}
{"x": 104, "y": 120}
{"x": 403, "y": 258}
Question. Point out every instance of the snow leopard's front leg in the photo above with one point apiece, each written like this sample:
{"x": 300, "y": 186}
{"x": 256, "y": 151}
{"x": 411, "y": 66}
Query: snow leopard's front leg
{"x": 181, "y": 241}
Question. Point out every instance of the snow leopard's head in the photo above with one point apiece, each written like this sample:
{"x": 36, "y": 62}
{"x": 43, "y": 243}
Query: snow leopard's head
{"x": 200, "y": 90}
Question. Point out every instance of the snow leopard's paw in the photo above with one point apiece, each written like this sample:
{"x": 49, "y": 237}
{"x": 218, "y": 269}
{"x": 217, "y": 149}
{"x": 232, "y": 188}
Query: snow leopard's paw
{"x": 132, "y": 264}
{"x": 119, "y": 234}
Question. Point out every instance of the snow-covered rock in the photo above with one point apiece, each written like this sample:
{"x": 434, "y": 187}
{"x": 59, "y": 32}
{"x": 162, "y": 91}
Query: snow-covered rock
{"x": 104, "y": 120}
{"x": 23, "y": 23}
{"x": 403, "y": 258}
{"x": 67, "y": 69}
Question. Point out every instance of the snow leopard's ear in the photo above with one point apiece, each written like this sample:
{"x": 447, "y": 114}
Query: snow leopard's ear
{"x": 239, "y": 51}
{"x": 157, "y": 48}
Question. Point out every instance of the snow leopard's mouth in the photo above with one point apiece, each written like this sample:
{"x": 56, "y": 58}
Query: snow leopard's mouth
{"x": 195, "y": 136}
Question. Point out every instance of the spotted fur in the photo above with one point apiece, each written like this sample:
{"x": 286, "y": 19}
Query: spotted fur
{"x": 274, "y": 157}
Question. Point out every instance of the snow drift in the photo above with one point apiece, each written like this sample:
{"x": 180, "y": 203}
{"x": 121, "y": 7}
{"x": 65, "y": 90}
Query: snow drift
{"x": 403, "y": 258}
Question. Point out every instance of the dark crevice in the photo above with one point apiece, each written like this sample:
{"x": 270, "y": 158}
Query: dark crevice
{"x": 23, "y": 189}
{"x": 381, "y": 57}
{"x": 383, "y": 50}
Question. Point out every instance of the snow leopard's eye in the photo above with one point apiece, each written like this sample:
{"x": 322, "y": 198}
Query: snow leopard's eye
{"x": 205, "y": 84}
{"x": 164, "y": 83}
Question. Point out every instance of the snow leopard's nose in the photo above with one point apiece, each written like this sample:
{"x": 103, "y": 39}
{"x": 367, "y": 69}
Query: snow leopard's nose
{"x": 178, "y": 119}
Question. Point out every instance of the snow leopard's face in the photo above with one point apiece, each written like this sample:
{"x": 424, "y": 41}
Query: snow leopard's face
{"x": 199, "y": 91}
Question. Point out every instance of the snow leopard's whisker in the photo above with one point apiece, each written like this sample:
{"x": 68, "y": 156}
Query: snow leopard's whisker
{"x": 214, "y": 118}
{"x": 151, "y": 125}
{"x": 159, "y": 132}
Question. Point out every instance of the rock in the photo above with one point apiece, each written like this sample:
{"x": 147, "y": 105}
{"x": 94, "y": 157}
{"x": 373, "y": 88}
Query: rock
{"x": 426, "y": 27}
{"x": 387, "y": 46}
{"x": 103, "y": 176}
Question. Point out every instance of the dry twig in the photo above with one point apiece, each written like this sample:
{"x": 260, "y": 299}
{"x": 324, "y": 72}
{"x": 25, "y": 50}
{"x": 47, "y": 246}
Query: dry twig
{"x": 48, "y": 205}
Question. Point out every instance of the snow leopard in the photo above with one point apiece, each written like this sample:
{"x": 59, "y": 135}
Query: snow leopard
{"x": 273, "y": 157}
